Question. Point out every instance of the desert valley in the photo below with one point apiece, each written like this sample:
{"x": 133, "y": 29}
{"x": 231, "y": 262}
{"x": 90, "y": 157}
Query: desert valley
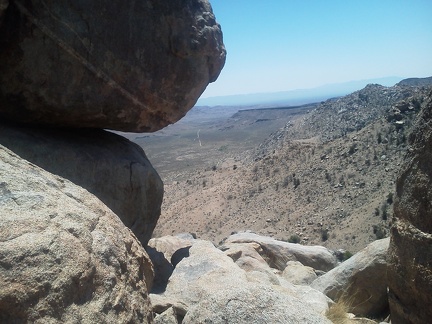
{"x": 318, "y": 174}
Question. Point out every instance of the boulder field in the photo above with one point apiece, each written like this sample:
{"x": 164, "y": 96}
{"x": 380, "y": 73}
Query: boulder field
{"x": 237, "y": 283}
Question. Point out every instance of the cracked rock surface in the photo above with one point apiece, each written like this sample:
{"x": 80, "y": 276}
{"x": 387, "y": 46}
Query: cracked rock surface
{"x": 65, "y": 256}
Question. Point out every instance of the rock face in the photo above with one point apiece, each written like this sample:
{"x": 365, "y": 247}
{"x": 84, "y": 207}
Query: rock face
{"x": 216, "y": 290}
{"x": 165, "y": 252}
{"x": 278, "y": 253}
{"x": 109, "y": 166}
{"x": 64, "y": 256}
{"x": 410, "y": 253}
{"x": 298, "y": 274}
{"x": 129, "y": 65}
{"x": 360, "y": 281}
{"x": 255, "y": 305}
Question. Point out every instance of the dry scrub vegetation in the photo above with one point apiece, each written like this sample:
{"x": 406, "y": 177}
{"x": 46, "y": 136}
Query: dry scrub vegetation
{"x": 326, "y": 177}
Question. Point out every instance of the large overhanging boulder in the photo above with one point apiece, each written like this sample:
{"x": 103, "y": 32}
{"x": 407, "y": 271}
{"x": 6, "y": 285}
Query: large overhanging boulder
{"x": 124, "y": 65}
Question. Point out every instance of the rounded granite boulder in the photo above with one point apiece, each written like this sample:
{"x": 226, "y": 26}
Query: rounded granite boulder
{"x": 133, "y": 66}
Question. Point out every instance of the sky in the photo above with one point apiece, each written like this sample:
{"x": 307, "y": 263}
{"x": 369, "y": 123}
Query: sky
{"x": 282, "y": 45}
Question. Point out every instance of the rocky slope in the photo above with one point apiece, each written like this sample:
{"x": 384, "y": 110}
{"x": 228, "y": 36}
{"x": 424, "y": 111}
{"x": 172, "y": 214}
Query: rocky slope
{"x": 327, "y": 178}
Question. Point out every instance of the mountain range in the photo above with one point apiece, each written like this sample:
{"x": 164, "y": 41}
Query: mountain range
{"x": 296, "y": 97}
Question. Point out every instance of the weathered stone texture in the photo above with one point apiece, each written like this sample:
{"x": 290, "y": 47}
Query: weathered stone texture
{"x": 410, "y": 253}
{"x": 64, "y": 256}
{"x": 125, "y": 65}
{"x": 278, "y": 253}
{"x": 111, "y": 167}
{"x": 360, "y": 281}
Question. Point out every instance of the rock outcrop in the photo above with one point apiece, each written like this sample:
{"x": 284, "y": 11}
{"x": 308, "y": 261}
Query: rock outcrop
{"x": 208, "y": 286}
{"x": 64, "y": 256}
{"x": 410, "y": 253}
{"x": 360, "y": 281}
{"x": 299, "y": 274}
{"x": 254, "y": 305}
{"x": 128, "y": 65}
{"x": 68, "y": 70}
{"x": 278, "y": 253}
{"x": 112, "y": 168}
{"x": 165, "y": 252}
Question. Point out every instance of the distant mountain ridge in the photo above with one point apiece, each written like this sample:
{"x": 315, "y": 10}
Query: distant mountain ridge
{"x": 416, "y": 82}
{"x": 296, "y": 97}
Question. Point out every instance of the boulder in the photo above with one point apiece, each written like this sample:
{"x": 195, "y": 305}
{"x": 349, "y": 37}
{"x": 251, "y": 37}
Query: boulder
{"x": 167, "y": 310}
{"x": 111, "y": 167}
{"x": 64, "y": 256}
{"x": 410, "y": 252}
{"x": 246, "y": 255}
{"x": 167, "y": 317}
{"x": 209, "y": 276}
{"x": 278, "y": 253}
{"x": 129, "y": 65}
{"x": 298, "y": 274}
{"x": 360, "y": 281}
{"x": 161, "y": 303}
{"x": 252, "y": 305}
{"x": 204, "y": 272}
{"x": 165, "y": 252}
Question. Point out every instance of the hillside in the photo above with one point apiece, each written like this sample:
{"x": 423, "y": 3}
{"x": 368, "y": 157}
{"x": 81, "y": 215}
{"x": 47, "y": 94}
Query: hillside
{"x": 324, "y": 178}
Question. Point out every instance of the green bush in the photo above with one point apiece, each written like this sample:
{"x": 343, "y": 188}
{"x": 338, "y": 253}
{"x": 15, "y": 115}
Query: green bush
{"x": 294, "y": 239}
{"x": 347, "y": 255}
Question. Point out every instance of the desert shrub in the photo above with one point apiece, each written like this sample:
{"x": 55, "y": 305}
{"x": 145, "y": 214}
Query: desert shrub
{"x": 324, "y": 235}
{"x": 338, "y": 312}
{"x": 390, "y": 198}
{"x": 294, "y": 239}
{"x": 377, "y": 212}
{"x": 379, "y": 138}
{"x": 379, "y": 232}
{"x": 384, "y": 211}
{"x": 214, "y": 167}
{"x": 347, "y": 255}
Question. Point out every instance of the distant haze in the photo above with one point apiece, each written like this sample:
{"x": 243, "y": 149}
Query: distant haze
{"x": 295, "y": 97}
{"x": 275, "y": 46}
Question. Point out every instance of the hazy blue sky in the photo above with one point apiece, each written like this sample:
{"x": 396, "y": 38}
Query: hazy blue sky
{"x": 278, "y": 45}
